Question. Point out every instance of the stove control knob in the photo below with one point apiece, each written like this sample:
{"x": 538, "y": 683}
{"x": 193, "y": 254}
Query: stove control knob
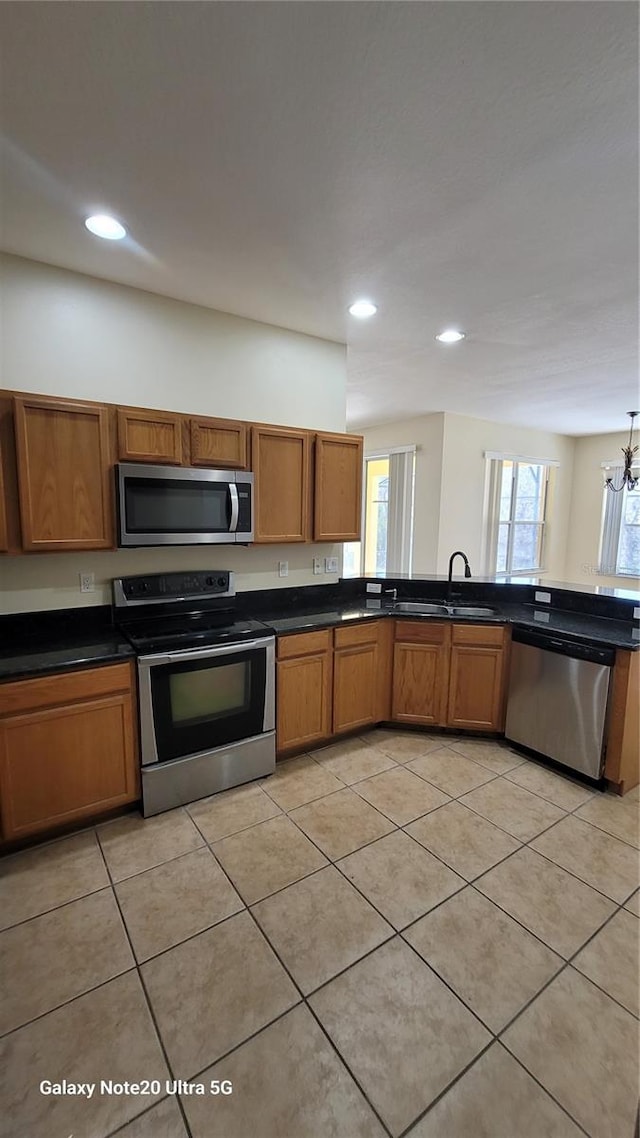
{"x": 222, "y": 582}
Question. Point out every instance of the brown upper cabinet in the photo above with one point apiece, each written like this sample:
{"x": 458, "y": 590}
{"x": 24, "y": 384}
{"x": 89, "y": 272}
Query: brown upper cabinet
{"x": 63, "y": 459}
{"x": 218, "y": 442}
{"x": 4, "y": 533}
{"x": 280, "y": 461}
{"x": 149, "y": 436}
{"x": 338, "y": 487}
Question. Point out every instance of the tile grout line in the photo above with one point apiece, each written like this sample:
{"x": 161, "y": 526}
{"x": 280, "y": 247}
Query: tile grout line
{"x": 145, "y": 993}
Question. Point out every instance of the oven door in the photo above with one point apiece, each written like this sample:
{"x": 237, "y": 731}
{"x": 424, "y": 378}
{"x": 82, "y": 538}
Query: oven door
{"x": 196, "y": 700}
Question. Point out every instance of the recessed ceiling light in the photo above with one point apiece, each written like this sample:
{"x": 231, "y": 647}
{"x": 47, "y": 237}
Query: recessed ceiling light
{"x": 363, "y": 309}
{"x": 104, "y": 226}
{"x": 450, "y": 336}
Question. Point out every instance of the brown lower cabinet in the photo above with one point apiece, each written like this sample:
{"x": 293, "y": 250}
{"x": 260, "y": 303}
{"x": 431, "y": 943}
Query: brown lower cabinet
{"x": 420, "y": 672}
{"x": 433, "y": 674}
{"x": 67, "y": 748}
{"x": 622, "y": 761}
{"x": 476, "y": 677}
{"x": 303, "y": 689}
{"x": 449, "y": 675}
{"x": 355, "y": 667}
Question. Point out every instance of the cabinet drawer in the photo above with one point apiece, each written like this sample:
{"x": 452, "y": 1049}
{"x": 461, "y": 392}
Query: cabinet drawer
{"x": 422, "y": 631}
{"x": 68, "y": 687}
{"x": 303, "y": 644}
{"x": 489, "y": 635}
{"x": 357, "y": 634}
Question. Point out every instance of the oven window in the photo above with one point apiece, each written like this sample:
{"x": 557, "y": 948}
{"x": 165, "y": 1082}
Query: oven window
{"x": 201, "y": 704}
{"x": 154, "y": 505}
{"x": 197, "y": 697}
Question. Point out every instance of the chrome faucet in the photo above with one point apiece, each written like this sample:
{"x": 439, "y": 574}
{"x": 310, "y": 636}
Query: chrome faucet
{"x": 467, "y": 567}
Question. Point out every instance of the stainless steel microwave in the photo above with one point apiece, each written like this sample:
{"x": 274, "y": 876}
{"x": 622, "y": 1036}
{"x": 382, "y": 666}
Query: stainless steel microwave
{"x": 164, "y": 505}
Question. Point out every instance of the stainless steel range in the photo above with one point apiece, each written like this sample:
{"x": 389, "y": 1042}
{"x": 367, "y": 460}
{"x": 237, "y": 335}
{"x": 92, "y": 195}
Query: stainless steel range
{"x": 206, "y": 685}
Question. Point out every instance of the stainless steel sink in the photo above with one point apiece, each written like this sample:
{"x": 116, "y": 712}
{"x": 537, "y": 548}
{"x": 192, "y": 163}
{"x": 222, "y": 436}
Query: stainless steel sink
{"x": 419, "y": 607}
{"x": 471, "y": 610}
{"x": 423, "y": 608}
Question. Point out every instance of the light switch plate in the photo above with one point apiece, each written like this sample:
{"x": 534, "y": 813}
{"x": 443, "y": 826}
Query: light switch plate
{"x": 374, "y": 587}
{"x": 283, "y": 568}
{"x": 542, "y": 598}
{"x": 636, "y": 614}
{"x": 331, "y": 564}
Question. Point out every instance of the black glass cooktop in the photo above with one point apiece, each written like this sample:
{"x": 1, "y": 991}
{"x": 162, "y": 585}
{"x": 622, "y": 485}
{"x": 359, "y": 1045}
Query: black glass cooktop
{"x": 200, "y": 630}
{"x": 175, "y": 611}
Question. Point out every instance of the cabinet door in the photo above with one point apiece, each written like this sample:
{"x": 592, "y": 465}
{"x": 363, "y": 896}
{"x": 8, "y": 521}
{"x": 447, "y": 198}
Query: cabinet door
{"x": 65, "y": 763}
{"x": 218, "y": 442}
{"x": 280, "y": 460}
{"x": 149, "y": 436}
{"x": 354, "y": 687}
{"x": 420, "y": 677}
{"x": 476, "y": 685}
{"x": 338, "y": 487}
{"x": 303, "y": 700}
{"x": 476, "y": 688}
{"x": 4, "y": 534}
{"x": 63, "y": 474}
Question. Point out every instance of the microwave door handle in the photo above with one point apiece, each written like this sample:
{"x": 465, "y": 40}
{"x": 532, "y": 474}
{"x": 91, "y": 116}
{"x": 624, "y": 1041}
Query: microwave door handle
{"x": 235, "y": 507}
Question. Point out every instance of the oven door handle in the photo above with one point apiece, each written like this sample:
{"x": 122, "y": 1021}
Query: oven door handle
{"x": 235, "y": 507}
{"x": 204, "y": 653}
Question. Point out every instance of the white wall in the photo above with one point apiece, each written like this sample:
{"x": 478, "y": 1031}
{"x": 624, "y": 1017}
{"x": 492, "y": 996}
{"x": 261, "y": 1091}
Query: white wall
{"x": 450, "y": 484}
{"x": 426, "y": 432}
{"x": 462, "y": 500}
{"x": 583, "y": 546}
{"x": 67, "y": 334}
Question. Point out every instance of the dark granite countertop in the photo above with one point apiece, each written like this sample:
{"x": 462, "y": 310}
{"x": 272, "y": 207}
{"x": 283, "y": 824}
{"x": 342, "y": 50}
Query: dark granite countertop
{"x": 577, "y": 626}
{"x": 36, "y": 644}
{"x": 33, "y": 644}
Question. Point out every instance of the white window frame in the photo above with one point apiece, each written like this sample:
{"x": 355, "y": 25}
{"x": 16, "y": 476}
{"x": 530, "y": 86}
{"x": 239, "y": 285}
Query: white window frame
{"x": 495, "y": 460}
{"x": 400, "y": 510}
{"x": 611, "y": 528}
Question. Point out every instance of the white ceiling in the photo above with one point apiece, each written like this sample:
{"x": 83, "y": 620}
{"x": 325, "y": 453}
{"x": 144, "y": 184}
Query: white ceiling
{"x": 462, "y": 163}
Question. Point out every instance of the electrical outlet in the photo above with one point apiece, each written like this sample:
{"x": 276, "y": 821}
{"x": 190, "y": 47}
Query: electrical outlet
{"x": 87, "y": 582}
{"x": 331, "y": 564}
{"x": 283, "y": 568}
{"x": 636, "y": 614}
{"x": 317, "y": 565}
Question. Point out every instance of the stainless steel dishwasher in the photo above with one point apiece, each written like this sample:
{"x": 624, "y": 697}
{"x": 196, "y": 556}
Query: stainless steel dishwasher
{"x": 558, "y": 694}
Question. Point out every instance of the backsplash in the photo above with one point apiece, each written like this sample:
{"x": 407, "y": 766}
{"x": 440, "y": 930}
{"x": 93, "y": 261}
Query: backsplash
{"x": 32, "y": 583}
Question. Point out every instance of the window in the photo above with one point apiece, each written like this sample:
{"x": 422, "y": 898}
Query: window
{"x": 388, "y": 517}
{"x": 517, "y": 513}
{"x": 620, "y": 548}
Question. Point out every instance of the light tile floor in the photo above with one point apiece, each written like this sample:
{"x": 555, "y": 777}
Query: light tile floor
{"x": 400, "y": 934}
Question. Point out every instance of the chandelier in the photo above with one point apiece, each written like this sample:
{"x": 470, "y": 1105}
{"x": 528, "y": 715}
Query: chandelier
{"x": 629, "y": 452}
